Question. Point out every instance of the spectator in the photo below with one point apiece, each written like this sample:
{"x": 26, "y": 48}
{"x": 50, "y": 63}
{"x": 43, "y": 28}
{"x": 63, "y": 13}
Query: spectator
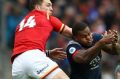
{"x": 117, "y": 72}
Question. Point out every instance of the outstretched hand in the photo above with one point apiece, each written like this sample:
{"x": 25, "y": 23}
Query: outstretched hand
{"x": 109, "y": 37}
{"x": 57, "y": 54}
{"x": 115, "y": 36}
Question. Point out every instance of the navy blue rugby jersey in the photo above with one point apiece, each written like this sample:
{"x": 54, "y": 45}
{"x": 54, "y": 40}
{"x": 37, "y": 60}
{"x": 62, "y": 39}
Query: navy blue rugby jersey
{"x": 91, "y": 70}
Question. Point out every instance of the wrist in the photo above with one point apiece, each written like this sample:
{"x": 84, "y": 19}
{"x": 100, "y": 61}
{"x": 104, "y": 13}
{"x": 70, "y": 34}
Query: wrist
{"x": 48, "y": 52}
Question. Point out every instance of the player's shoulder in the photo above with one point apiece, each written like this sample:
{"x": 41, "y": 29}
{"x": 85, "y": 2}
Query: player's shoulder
{"x": 73, "y": 43}
{"x": 39, "y": 18}
{"x": 72, "y": 47}
{"x": 39, "y": 15}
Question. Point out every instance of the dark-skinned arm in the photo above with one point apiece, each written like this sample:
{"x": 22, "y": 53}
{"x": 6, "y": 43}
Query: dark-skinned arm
{"x": 113, "y": 49}
{"x": 86, "y": 55}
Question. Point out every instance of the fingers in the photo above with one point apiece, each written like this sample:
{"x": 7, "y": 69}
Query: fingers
{"x": 59, "y": 49}
{"x": 105, "y": 33}
{"x": 62, "y": 54}
{"x": 58, "y": 54}
{"x": 111, "y": 36}
{"x": 60, "y": 57}
{"x": 115, "y": 38}
{"x": 116, "y": 32}
{"x": 113, "y": 32}
{"x": 56, "y": 50}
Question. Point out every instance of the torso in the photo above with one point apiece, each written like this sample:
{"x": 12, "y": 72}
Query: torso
{"x": 32, "y": 33}
{"x": 91, "y": 70}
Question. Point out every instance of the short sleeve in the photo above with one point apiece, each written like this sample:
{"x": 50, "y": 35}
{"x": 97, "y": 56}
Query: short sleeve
{"x": 73, "y": 48}
{"x": 57, "y": 24}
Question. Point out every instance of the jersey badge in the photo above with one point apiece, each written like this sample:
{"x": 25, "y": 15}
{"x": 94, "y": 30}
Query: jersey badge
{"x": 72, "y": 50}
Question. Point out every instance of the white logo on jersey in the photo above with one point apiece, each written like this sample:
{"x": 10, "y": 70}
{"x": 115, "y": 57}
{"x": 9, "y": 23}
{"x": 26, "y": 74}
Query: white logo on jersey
{"x": 72, "y": 50}
{"x": 30, "y": 23}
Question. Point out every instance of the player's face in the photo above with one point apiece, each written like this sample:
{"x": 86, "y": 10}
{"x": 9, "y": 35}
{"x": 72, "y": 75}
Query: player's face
{"x": 85, "y": 37}
{"x": 47, "y": 6}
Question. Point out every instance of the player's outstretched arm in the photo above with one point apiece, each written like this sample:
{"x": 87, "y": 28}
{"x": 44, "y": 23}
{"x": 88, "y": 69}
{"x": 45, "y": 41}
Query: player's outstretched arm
{"x": 86, "y": 55}
{"x": 67, "y": 31}
{"x": 113, "y": 49}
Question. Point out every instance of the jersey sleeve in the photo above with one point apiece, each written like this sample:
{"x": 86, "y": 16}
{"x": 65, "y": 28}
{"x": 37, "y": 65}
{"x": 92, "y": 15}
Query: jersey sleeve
{"x": 72, "y": 49}
{"x": 57, "y": 24}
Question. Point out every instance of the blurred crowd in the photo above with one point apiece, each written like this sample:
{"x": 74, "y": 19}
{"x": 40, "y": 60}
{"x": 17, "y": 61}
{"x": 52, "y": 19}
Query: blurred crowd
{"x": 101, "y": 15}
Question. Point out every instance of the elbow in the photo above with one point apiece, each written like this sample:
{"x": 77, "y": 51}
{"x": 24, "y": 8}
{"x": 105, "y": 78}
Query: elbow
{"x": 67, "y": 31}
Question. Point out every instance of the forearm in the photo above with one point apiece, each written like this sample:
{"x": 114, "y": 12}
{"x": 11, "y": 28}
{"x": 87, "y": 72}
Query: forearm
{"x": 67, "y": 31}
{"x": 89, "y": 54}
{"x": 116, "y": 48}
{"x": 113, "y": 49}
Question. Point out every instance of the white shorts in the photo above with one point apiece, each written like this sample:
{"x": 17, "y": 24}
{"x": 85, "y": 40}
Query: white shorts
{"x": 34, "y": 64}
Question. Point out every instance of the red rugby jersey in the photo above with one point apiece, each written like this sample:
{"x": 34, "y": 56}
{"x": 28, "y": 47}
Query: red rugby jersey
{"x": 33, "y": 32}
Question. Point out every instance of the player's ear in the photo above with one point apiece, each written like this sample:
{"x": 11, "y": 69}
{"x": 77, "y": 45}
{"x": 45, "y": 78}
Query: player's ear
{"x": 37, "y": 7}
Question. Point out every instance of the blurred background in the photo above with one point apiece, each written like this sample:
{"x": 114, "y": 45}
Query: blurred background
{"x": 101, "y": 15}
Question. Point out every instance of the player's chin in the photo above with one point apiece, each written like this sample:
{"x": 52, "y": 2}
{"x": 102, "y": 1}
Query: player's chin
{"x": 88, "y": 43}
{"x": 50, "y": 13}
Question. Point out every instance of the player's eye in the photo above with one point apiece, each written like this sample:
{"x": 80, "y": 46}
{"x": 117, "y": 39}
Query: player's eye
{"x": 49, "y": 5}
{"x": 83, "y": 36}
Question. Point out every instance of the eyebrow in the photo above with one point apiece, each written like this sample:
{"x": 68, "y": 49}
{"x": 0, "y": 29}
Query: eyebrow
{"x": 84, "y": 33}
